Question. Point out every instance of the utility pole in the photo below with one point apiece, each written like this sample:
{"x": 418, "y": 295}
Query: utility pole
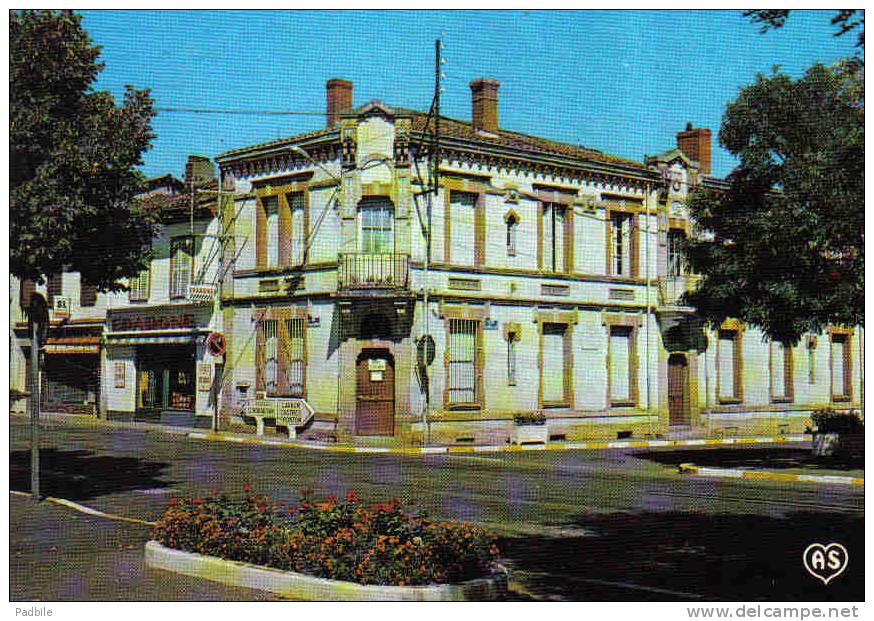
{"x": 433, "y": 189}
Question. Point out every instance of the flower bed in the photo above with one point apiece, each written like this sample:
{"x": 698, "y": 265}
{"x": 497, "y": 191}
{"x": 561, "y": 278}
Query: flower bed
{"x": 376, "y": 544}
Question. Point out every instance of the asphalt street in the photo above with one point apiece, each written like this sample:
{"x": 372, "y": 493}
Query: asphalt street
{"x": 574, "y": 525}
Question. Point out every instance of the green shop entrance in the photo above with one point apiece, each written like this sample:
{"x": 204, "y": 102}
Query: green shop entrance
{"x": 166, "y": 382}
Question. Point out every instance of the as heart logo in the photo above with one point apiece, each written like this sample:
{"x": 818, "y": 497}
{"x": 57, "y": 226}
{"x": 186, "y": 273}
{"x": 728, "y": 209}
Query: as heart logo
{"x": 826, "y": 562}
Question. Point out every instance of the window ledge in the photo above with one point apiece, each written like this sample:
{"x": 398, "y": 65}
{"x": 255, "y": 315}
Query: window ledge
{"x": 729, "y": 401}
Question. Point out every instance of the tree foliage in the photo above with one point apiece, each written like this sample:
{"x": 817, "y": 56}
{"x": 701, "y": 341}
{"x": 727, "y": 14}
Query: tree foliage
{"x": 73, "y": 157}
{"x": 846, "y": 20}
{"x": 782, "y": 247}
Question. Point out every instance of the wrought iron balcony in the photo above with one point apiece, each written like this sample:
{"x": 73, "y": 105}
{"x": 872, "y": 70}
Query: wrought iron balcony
{"x": 363, "y": 271}
{"x": 672, "y": 288}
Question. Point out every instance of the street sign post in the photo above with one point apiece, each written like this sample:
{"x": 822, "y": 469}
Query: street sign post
{"x": 38, "y": 318}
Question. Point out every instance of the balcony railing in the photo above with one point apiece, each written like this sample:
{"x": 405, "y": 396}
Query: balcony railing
{"x": 370, "y": 270}
{"x": 672, "y": 288}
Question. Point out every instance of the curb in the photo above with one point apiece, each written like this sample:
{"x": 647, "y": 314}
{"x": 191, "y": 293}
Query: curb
{"x": 86, "y": 510}
{"x": 496, "y": 448}
{"x": 299, "y": 586}
{"x": 765, "y": 475}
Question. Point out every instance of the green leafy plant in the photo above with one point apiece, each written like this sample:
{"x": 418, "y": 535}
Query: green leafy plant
{"x": 827, "y": 420}
{"x": 530, "y": 418}
{"x": 341, "y": 540}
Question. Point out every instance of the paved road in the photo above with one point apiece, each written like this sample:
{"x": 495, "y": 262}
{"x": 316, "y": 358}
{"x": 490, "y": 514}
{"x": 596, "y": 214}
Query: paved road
{"x": 602, "y": 525}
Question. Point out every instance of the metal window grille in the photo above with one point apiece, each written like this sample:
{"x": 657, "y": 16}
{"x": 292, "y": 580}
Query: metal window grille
{"x": 270, "y": 339}
{"x": 295, "y": 359}
{"x": 463, "y": 334}
{"x": 181, "y": 265}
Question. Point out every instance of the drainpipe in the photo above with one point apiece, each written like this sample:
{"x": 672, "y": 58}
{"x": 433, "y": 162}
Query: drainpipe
{"x": 648, "y": 305}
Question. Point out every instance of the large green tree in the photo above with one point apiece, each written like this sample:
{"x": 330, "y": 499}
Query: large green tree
{"x": 782, "y": 247}
{"x": 73, "y": 157}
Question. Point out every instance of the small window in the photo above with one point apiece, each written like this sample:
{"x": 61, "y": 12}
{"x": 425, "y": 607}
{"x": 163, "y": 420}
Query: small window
{"x": 512, "y": 337}
{"x": 512, "y": 228}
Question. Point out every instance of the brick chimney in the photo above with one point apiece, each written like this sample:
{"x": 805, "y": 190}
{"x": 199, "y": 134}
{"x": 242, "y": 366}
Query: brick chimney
{"x": 484, "y": 103}
{"x": 198, "y": 170}
{"x": 695, "y": 143}
{"x": 339, "y": 94}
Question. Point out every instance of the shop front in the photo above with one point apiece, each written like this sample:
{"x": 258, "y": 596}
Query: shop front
{"x": 158, "y": 368}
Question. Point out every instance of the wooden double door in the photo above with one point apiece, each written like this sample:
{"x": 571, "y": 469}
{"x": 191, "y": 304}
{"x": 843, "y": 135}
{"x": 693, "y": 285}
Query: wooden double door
{"x": 375, "y": 393}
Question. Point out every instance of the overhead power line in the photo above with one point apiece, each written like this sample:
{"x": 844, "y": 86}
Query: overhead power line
{"x": 240, "y": 112}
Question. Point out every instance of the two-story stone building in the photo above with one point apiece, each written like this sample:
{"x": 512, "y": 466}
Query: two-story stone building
{"x": 138, "y": 354}
{"x": 551, "y": 286}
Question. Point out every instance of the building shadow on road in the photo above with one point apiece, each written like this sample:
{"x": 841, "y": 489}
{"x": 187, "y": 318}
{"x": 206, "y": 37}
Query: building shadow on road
{"x": 81, "y": 475}
{"x": 688, "y": 557}
{"x": 757, "y": 458}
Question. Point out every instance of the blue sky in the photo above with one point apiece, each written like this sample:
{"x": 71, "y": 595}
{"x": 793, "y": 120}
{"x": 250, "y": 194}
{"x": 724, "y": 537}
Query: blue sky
{"x": 621, "y": 81}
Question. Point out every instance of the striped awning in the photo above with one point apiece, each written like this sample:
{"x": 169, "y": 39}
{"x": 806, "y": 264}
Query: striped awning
{"x": 156, "y": 337}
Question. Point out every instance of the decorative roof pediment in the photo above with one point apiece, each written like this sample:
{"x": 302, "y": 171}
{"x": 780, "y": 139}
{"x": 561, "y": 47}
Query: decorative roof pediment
{"x": 374, "y": 108}
{"x": 671, "y": 157}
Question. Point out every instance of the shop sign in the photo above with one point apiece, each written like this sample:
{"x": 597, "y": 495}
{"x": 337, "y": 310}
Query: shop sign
{"x": 119, "y": 375}
{"x": 314, "y": 322}
{"x": 491, "y": 324}
{"x": 204, "y": 376}
{"x": 130, "y": 323}
{"x": 61, "y": 307}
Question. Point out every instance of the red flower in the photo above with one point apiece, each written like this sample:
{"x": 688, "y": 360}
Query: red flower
{"x": 247, "y": 488}
{"x": 351, "y": 496}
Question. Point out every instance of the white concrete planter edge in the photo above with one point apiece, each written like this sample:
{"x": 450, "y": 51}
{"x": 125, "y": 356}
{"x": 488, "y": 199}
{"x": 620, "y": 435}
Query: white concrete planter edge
{"x": 304, "y": 587}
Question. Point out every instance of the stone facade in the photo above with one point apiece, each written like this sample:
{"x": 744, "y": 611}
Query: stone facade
{"x": 552, "y": 286}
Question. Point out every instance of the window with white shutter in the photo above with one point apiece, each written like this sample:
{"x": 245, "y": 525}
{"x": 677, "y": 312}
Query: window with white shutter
{"x": 462, "y": 227}
{"x": 181, "y": 265}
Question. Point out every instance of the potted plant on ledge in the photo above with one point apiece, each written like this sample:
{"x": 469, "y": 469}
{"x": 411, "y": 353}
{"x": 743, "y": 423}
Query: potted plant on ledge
{"x": 838, "y": 434}
{"x": 530, "y": 428}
